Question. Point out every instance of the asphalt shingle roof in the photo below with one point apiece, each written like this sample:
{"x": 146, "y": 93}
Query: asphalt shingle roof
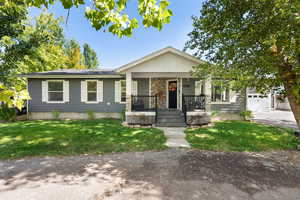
{"x": 75, "y": 72}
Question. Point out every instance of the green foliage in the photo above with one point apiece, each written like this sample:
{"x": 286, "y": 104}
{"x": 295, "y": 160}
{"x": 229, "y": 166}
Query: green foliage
{"x": 55, "y": 114}
{"x": 110, "y": 15}
{"x": 241, "y": 136}
{"x": 90, "y": 114}
{"x": 214, "y": 113}
{"x": 41, "y": 138}
{"x": 13, "y": 96}
{"x": 90, "y": 57}
{"x": 7, "y": 113}
{"x": 247, "y": 114}
{"x": 123, "y": 115}
{"x": 253, "y": 43}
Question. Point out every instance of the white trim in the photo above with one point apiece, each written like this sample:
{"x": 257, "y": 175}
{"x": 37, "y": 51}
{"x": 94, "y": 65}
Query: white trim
{"x": 181, "y": 93}
{"x": 167, "y": 92}
{"x": 162, "y": 74}
{"x": 87, "y": 91}
{"x": 150, "y": 83}
{"x": 220, "y": 102}
{"x": 27, "y": 101}
{"x": 55, "y": 102}
{"x": 120, "y": 91}
{"x": 156, "y": 54}
{"x": 140, "y": 113}
{"x": 72, "y": 76}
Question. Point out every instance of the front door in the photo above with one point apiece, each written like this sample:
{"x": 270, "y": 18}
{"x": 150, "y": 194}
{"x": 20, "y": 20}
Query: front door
{"x": 172, "y": 89}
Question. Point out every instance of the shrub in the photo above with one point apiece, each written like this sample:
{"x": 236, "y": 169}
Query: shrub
{"x": 214, "y": 113}
{"x": 123, "y": 115}
{"x": 7, "y": 113}
{"x": 55, "y": 114}
{"x": 247, "y": 114}
{"x": 90, "y": 114}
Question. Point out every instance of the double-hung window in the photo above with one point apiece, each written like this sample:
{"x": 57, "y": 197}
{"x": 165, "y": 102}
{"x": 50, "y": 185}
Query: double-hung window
{"x": 55, "y": 91}
{"x": 92, "y": 91}
{"x": 220, "y": 92}
{"x": 123, "y": 90}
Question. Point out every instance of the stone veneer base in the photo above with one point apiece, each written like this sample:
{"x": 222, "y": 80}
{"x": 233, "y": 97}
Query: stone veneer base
{"x": 71, "y": 115}
{"x": 140, "y": 118}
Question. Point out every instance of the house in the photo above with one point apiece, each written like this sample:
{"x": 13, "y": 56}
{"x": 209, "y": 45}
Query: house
{"x": 158, "y": 88}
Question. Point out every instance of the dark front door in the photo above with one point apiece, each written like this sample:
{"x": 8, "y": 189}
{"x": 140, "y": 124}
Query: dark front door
{"x": 172, "y": 87}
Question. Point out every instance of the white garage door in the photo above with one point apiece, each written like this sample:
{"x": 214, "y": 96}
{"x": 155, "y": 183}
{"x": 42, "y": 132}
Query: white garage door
{"x": 258, "y": 103}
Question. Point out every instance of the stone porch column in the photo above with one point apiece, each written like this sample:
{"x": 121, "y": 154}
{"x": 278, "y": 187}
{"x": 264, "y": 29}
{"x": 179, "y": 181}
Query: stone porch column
{"x": 207, "y": 92}
{"x": 128, "y": 91}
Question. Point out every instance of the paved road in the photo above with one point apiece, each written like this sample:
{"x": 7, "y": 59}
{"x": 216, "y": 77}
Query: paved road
{"x": 277, "y": 118}
{"x": 174, "y": 174}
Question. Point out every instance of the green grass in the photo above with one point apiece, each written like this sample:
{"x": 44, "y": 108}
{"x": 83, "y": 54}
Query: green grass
{"x": 241, "y": 136}
{"x": 32, "y": 138}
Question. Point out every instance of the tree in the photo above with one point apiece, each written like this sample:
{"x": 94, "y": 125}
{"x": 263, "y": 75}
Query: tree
{"x": 90, "y": 57}
{"x": 75, "y": 58}
{"x": 26, "y": 46}
{"x": 111, "y": 16}
{"x": 254, "y": 43}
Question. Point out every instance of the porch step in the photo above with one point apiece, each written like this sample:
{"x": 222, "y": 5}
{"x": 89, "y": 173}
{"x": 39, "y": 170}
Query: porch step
{"x": 170, "y": 118}
{"x": 173, "y": 120}
{"x": 169, "y": 124}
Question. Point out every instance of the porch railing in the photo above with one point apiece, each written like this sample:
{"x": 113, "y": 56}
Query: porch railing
{"x": 144, "y": 103}
{"x": 194, "y": 102}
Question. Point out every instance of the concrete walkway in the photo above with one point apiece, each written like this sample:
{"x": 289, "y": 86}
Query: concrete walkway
{"x": 175, "y": 136}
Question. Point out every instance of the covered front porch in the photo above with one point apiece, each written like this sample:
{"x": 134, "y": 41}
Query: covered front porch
{"x": 162, "y": 81}
{"x": 171, "y": 96}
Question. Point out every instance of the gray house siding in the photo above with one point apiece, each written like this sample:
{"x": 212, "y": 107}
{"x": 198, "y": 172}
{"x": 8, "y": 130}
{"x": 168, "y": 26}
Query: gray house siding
{"x": 75, "y": 105}
{"x": 109, "y": 105}
{"x": 236, "y": 107}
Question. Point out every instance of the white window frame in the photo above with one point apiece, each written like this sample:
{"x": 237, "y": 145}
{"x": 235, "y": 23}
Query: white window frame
{"x": 48, "y": 101}
{"x": 220, "y": 102}
{"x": 121, "y": 91}
{"x": 87, "y": 91}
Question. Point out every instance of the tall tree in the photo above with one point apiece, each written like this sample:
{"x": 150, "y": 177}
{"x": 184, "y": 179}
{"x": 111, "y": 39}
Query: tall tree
{"x": 111, "y": 15}
{"x": 75, "y": 57}
{"x": 26, "y": 46}
{"x": 90, "y": 57}
{"x": 255, "y": 43}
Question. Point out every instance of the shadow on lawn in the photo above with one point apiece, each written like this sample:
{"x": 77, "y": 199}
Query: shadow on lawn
{"x": 173, "y": 174}
{"x": 242, "y": 136}
{"x": 33, "y": 138}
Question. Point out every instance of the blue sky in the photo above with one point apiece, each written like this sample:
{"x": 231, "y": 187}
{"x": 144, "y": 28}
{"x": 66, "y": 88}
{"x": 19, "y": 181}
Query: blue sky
{"x": 113, "y": 51}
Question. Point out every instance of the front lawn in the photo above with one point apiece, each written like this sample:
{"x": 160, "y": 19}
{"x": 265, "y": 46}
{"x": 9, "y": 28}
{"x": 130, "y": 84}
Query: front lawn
{"x": 31, "y": 138}
{"x": 241, "y": 136}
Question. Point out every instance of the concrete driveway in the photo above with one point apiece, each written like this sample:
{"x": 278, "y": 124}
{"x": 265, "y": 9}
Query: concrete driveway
{"x": 174, "y": 174}
{"x": 276, "y": 118}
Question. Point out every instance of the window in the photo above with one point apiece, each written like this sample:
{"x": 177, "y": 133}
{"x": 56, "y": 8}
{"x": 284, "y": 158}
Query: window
{"x": 92, "y": 91}
{"x": 220, "y": 93}
{"x": 55, "y": 91}
{"x": 123, "y": 90}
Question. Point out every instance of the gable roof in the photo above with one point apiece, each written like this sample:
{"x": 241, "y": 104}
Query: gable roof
{"x": 156, "y": 54}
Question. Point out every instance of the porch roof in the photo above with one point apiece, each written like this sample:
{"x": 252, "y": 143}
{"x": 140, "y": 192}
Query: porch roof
{"x": 152, "y": 56}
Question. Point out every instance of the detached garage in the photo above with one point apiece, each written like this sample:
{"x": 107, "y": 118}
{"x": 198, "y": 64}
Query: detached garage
{"x": 259, "y": 102}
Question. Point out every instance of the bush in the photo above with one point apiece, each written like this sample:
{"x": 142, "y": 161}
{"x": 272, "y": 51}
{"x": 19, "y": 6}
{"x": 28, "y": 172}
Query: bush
{"x": 56, "y": 114}
{"x": 7, "y": 113}
{"x": 247, "y": 114}
{"x": 214, "y": 113}
{"x": 90, "y": 114}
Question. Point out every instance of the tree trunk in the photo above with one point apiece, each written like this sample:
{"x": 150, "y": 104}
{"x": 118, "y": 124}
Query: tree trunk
{"x": 295, "y": 106}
